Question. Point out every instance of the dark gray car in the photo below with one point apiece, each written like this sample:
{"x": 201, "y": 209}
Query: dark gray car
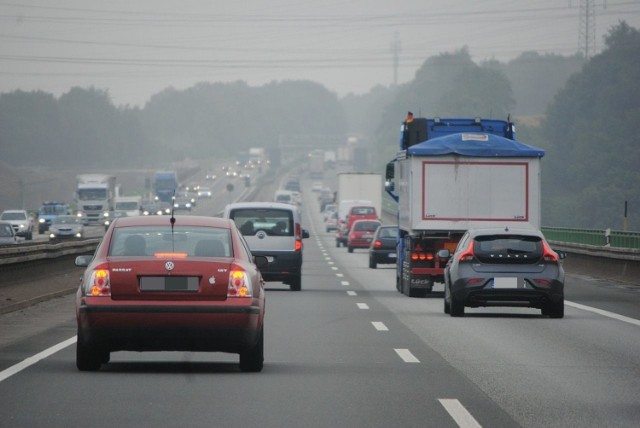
{"x": 504, "y": 267}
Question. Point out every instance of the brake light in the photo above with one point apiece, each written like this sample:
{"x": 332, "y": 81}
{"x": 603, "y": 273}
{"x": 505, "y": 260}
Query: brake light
{"x": 421, "y": 256}
{"x": 99, "y": 284}
{"x": 467, "y": 255}
{"x": 239, "y": 284}
{"x": 377, "y": 244}
{"x": 170, "y": 255}
{"x": 548, "y": 254}
{"x": 298, "y": 245}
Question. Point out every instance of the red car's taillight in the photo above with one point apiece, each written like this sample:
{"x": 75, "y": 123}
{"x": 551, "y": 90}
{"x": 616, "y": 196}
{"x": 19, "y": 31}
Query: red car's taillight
{"x": 239, "y": 284}
{"x": 99, "y": 284}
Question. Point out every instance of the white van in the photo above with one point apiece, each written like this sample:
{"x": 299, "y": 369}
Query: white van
{"x": 273, "y": 230}
{"x": 284, "y": 197}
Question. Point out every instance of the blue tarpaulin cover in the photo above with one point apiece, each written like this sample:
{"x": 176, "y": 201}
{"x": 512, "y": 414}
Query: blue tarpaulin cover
{"x": 474, "y": 144}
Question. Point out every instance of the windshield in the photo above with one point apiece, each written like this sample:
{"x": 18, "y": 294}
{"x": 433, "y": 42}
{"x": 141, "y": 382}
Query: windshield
{"x": 126, "y": 206}
{"x": 53, "y": 210}
{"x": 92, "y": 194}
{"x": 14, "y": 216}
{"x": 67, "y": 219}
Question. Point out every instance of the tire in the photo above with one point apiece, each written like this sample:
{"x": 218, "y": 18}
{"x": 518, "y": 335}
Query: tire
{"x": 350, "y": 249}
{"x": 337, "y": 244}
{"x": 447, "y": 305}
{"x": 88, "y": 358}
{"x": 296, "y": 282}
{"x": 252, "y": 360}
{"x": 554, "y": 309}
{"x": 456, "y": 308}
{"x": 372, "y": 263}
{"x": 29, "y": 236}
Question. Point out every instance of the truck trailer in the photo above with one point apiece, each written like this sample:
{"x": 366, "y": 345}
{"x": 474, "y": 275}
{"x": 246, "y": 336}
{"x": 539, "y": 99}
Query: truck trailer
{"x": 452, "y": 175}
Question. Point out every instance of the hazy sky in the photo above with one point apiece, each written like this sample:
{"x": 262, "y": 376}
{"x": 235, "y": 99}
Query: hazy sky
{"x": 135, "y": 48}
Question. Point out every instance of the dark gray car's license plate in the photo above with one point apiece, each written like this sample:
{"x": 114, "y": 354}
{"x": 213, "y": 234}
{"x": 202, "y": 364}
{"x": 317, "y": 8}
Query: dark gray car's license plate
{"x": 169, "y": 283}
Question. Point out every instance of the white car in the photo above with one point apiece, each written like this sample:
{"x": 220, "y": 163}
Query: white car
{"x": 204, "y": 192}
{"x": 21, "y": 221}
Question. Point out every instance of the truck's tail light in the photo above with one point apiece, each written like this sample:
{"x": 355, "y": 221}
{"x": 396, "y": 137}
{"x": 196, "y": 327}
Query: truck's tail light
{"x": 548, "y": 254}
{"x": 421, "y": 256}
{"x": 467, "y": 255}
{"x": 239, "y": 283}
{"x": 99, "y": 284}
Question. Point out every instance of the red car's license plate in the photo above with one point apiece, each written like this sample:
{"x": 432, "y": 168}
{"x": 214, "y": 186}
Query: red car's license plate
{"x": 169, "y": 283}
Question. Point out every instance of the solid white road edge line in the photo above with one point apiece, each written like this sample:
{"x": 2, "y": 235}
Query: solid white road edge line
{"x": 6, "y": 373}
{"x": 459, "y": 414}
{"x": 603, "y": 313}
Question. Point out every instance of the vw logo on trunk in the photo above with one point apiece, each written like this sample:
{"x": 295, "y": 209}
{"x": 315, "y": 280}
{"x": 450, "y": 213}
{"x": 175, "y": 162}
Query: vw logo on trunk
{"x": 169, "y": 265}
{"x": 261, "y": 235}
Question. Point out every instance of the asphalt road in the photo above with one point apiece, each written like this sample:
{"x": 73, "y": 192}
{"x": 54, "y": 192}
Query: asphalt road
{"x": 348, "y": 350}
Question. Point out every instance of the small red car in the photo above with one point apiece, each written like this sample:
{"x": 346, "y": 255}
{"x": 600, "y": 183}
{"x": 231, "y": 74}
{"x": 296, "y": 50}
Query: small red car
{"x": 164, "y": 283}
{"x": 361, "y": 234}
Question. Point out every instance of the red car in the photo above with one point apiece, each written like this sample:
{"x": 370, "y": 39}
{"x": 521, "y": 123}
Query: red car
{"x": 164, "y": 283}
{"x": 361, "y": 234}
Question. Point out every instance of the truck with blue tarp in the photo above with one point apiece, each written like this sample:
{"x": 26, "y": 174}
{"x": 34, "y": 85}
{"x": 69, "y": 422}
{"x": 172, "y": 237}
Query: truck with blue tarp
{"x": 451, "y": 175}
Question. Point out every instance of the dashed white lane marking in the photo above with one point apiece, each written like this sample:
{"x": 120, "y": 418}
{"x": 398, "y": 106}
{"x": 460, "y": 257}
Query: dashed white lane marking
{"x": 362, "y": 305}
{"x": 603, "y": 313}
{"x": 6, "y": 373}
{"x": 339, "y": 275}
{"x": 352, "y": 293}
{"x": 459, "y": 414}
{"x": 406, "y": 356}
{"x": 345, "y": 283}
{"x": 379, "y": 326}
{"x": 334, "y": 268}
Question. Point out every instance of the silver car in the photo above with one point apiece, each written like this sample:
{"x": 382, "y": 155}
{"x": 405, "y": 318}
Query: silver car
{"x": 7, "y": 234}
{"x": 66, "y": 227}
{"x": 504, "y": 267}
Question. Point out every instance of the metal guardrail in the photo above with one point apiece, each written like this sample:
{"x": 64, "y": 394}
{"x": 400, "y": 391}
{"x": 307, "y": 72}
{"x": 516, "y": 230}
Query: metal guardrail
{"x": 30, "y": 252}
{"x": 597, "y": 237}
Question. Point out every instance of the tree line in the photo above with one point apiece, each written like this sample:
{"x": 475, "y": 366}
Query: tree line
{"x": 585, "y": 112}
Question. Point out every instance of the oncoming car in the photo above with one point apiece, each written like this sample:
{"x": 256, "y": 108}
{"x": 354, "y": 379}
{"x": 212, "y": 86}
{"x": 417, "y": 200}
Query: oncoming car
{"x": 155, "y": 284}
{"x": 66, "y": 227}
{"x": 504, "y": 267}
